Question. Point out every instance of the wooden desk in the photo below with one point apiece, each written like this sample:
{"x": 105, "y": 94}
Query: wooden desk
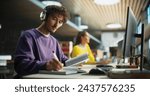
{"x": 114, "y": 74}
{"x": 72, "y": 76}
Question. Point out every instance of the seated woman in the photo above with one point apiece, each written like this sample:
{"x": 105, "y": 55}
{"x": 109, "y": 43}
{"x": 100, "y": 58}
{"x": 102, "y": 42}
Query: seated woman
{"x": 81, "y": 46}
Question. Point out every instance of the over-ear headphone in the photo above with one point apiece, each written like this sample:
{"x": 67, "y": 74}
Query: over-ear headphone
{"x": 43, "y": 15}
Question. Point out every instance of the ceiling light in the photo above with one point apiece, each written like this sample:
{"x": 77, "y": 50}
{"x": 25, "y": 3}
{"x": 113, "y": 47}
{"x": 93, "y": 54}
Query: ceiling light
{"x": 83, "y": 27}
{"x": 113, "y": 26}
{"x": 52, "y": 3}
{"x": 106, "y": 2}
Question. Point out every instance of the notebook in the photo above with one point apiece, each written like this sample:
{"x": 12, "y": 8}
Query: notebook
{"x": 69, "y": 66}
{"x": 64, "y": 71}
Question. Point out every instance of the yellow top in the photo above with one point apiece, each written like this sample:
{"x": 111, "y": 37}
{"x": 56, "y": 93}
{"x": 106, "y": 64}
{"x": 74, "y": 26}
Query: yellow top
{"x": 78, "y": 50}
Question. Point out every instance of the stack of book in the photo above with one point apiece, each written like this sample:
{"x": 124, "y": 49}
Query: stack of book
{"x": 3, "y": 59}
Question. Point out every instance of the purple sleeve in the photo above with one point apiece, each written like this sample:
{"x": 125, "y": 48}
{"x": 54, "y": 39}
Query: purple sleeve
{"x": 24, "y": 58}
{"x": 61, "y": 55}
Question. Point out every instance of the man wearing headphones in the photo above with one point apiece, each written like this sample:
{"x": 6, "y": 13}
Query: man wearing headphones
{"x": 37, "y": 49}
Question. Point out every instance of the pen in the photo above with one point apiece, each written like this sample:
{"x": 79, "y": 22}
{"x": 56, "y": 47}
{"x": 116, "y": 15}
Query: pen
{"x": 55, "y": 56}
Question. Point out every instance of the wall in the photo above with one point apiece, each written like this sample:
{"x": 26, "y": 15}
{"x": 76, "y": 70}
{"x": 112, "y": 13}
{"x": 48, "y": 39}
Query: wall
{"x": 110, "y": 39}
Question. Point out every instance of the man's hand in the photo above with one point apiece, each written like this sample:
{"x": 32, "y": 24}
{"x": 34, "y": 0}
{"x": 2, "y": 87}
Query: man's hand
{"x": 54, "y": 65}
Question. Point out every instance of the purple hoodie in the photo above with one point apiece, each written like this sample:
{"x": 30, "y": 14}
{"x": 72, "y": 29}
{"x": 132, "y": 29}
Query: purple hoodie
{"x": 34, "y": 50}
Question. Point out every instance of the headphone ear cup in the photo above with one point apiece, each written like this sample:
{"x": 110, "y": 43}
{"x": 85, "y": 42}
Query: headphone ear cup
{"x": 43, "y": 15}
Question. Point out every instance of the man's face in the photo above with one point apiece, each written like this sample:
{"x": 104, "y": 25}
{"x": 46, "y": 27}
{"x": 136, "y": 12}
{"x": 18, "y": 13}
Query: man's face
{"x": 54, "y": 22}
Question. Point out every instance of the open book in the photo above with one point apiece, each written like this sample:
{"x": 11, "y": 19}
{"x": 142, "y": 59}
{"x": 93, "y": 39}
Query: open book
{"x": 69, "y": 66}
{"x": 77, "y": 60}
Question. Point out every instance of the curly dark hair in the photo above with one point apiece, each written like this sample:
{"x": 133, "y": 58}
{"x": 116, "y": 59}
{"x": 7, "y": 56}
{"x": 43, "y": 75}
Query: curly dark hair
{"x": 53, "y": 9}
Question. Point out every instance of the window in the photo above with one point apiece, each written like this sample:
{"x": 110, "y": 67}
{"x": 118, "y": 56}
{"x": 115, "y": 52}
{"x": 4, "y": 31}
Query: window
{"x": 148, "y": 14}
{"x": 139, "y": 49}
{"x": 136, "y": 50}
{"x": 139, "y": 28}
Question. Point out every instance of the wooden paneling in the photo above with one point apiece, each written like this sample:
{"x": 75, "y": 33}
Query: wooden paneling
{"x": 97, "y": 16}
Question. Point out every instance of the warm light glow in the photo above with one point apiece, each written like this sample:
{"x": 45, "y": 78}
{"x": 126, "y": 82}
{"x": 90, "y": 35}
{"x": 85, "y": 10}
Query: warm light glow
{"x": 114, "y": 26}
{"x": 51, "y": 3}
{"x": 106, "y": 2}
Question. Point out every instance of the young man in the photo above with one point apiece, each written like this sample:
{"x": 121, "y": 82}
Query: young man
{"x": 37, "y": 48}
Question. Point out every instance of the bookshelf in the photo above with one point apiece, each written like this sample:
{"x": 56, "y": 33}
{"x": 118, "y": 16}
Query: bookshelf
{"x": 67, "y": 47}
{"x": 3, "y": 59}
